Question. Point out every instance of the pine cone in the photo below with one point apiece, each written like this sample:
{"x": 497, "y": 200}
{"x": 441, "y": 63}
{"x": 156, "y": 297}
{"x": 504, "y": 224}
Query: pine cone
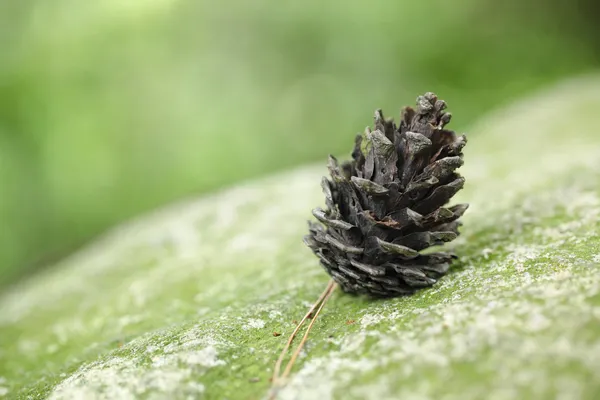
{"x": 387, "y": 205}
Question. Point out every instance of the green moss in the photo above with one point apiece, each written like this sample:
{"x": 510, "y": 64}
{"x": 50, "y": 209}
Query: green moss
{"x": 184, "y": 303}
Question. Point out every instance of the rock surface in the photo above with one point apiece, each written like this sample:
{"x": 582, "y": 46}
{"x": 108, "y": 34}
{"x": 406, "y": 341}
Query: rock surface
{"x": 184, "y": 303}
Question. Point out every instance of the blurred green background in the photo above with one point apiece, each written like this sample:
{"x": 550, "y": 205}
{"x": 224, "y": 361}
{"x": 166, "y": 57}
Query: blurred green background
{"x": 110, "y": 108}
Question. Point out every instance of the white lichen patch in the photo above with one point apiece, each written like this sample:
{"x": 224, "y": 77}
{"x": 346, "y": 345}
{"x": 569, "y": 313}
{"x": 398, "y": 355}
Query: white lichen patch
{"x": 184, "y": 303}
{"x": 165, "y": 371}
{"x": 370, "y": 319}
{"x": 3, "y": 390}
{"x": 254, "y": 323}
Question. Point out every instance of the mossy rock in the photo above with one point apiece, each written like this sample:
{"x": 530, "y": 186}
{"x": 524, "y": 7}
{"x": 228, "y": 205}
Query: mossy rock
{"x": 184, "y": 303}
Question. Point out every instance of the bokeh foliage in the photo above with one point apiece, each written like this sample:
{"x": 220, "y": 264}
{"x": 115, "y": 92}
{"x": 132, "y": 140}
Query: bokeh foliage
{"x": 110, "y": 108}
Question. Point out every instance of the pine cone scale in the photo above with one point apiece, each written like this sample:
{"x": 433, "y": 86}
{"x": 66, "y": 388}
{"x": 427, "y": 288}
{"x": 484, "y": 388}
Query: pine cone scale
{"x": 373, "y": 270}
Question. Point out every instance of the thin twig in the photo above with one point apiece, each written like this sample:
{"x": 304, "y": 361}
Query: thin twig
{"x": 293, "y": 335}
{"x": 318, "y": 306}
{"x": 331, "y": 287}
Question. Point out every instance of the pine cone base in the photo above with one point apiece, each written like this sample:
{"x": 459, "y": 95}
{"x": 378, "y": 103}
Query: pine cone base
{"x": 387, "y": 205}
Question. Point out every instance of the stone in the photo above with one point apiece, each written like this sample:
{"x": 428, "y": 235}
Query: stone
{"x": 183, "y": 303}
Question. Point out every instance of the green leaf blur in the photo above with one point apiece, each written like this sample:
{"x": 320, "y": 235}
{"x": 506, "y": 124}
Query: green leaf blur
{"x": 110, "y": 108}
